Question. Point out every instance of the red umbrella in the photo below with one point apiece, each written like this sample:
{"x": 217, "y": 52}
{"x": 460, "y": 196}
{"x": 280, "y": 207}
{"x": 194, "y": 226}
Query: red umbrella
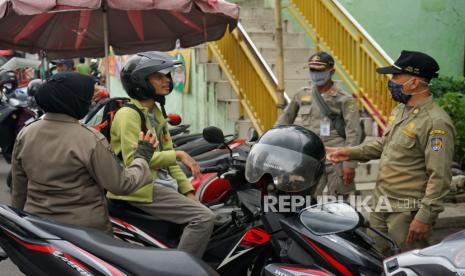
{"x": 72, "y": 28}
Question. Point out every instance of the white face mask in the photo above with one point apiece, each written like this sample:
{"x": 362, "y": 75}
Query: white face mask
{"x": 320, "y": 78}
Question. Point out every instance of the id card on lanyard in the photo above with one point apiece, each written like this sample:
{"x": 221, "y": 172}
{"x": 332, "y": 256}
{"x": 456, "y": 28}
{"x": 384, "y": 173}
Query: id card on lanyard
{"x": 325, "y": 127}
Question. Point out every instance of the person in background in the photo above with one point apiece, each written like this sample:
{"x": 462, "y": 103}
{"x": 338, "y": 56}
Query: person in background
{"x": 83, "y": 67}
{"x": 63, "y": 65}
{"x": 304, "y": 110}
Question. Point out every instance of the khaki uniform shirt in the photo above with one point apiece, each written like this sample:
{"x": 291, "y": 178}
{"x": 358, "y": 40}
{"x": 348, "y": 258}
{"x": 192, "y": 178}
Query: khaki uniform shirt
{"x": 416, "y": 152}
{"x": 61, "y": 168}
{"x": 305, "y": 112}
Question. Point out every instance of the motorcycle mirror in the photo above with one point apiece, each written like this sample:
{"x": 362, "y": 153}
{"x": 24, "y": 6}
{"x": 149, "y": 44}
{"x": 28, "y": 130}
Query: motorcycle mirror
{"x": 329, "y": 218}
{"x": 252, "y": 135}
{"x": 213, "y": 135}
{"x": 174, "y": 119}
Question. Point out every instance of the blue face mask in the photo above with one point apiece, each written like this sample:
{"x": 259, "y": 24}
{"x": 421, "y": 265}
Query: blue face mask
{"x": 320, "y": 78}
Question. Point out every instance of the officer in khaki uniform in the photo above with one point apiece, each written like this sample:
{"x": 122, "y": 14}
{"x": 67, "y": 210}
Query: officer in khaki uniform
{"x": 416, "y": 152}
{"x": 62, "y": 168}
{"x": 304, "y": 111}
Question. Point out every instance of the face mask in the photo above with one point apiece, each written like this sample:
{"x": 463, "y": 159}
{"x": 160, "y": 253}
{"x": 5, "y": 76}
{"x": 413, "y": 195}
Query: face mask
{"x": 398, "y": 94}
{"x": 320, "y": 78}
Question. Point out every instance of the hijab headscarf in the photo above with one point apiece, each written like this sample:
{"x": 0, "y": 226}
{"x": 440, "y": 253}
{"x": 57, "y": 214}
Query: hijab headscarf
{"x": 68, "y": 93}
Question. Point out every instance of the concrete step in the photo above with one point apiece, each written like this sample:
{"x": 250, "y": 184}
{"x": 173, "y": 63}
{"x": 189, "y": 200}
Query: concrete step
{"x": 268, "y": 39}
{"x": 202, "y": 54}
{"x": 367, "y": 172}
{"x": 257, "y": 12}
{"x": 293, "y": 71}
{"x": 258, "y": 25}
{"x": 224, "y": 91}
{"x": 242, "y": 128}
{"x": 214, "y": 73}
{"x": 290, "y": 54}
{"x": 233, "y": 108}
{"x": 293, "y": 86}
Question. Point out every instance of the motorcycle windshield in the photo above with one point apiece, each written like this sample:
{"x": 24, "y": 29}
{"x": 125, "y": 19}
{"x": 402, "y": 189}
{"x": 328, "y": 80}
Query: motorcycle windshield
{"x": 292, "y": 171}
{"x": 452, "y": 248}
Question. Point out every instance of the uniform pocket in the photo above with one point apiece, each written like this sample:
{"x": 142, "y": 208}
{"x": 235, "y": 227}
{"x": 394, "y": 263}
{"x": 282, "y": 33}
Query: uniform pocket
{"x": 305, "y": 109}
{"x": 406, "y": 140}
{"x": 303, "y": 115}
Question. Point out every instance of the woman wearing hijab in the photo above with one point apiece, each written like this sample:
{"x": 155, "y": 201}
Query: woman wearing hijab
{"x": 62, "y": 168}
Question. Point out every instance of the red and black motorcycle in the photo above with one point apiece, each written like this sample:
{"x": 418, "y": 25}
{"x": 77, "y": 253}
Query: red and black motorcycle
{"x": 327, "y": 239}
{"x": 15, "y": 113}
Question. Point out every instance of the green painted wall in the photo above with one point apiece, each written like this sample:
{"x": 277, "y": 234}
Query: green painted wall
{"x": 199, "y": 108}
{"x": 436, "y": 27}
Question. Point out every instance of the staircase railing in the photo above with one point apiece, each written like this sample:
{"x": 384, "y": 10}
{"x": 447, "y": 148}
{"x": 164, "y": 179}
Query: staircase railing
{"x": 249, "y": 75}
{"x": 357, "y": 55}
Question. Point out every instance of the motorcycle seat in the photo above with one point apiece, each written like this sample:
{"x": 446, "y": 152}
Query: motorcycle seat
{"x": 164, "y": 230}
{"x": 135, "y": 260}
{"x": 178, "y": 130}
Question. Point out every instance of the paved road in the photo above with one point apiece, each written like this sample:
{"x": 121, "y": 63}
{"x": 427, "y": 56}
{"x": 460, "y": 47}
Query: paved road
{"x": 7, "y": 268}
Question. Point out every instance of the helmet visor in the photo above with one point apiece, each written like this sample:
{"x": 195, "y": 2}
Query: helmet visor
{"x": 292, "y": 171}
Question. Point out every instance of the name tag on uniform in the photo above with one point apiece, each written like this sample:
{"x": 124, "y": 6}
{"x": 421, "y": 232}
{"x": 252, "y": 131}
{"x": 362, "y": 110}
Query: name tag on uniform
{"x": 325, "y": 127}
{"x": 306, "y": 99}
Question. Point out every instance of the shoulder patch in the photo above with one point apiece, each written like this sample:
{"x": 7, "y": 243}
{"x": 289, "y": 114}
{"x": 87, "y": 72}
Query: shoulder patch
{"x": 437, "y": 143}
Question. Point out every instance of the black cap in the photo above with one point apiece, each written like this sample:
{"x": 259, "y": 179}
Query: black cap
{"x": 67, "y": 62}
{"x": 413, "y": 63}
{"x": 320, "y": 61}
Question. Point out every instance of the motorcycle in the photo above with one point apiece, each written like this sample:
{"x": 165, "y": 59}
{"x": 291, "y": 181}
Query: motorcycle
{"x": 328, "y": 238}
{"x": 15, "y": 113}
{"x": 209, "y": 188}
{"x": 446, "y": 258}
{"x": 43, "y": 247}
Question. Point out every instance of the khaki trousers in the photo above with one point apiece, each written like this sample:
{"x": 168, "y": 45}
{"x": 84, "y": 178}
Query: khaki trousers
{"x": 169, "y": 205}
{"x": 395, "y": 225}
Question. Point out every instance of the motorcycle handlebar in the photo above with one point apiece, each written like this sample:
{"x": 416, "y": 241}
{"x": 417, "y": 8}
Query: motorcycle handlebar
{"x": 218, "y": 168}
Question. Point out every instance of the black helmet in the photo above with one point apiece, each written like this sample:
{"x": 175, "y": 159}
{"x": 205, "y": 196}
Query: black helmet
{"x": 33, "y": 86}
{"x": 294, "y": 156}
{"x": 68, "y": 62}
{"x": 8, "y": 80}
{"x": 135, "y": 73}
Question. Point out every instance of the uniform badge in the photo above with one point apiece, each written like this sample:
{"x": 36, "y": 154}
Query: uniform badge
{"x": 306, "y": 98}
{"x": 436, "y": 143}
{"x": 438, "y": 131}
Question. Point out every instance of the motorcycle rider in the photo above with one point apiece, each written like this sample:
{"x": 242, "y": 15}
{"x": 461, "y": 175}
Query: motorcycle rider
{"x": 147, "y": 80}
{"x": 61, "y": 167}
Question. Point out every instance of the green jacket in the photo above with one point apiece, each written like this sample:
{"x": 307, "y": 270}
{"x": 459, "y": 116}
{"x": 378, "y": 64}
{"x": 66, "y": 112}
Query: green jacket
{"x": 125, "y": 131}
{"x": 415, "y": 158}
